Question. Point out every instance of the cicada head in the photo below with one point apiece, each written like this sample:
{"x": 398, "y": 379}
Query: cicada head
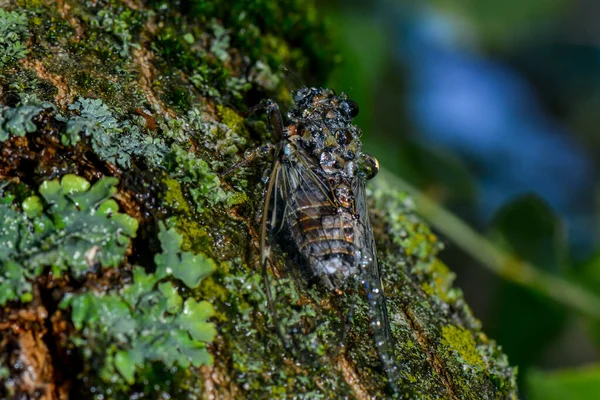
{"x": 322, "y": 120}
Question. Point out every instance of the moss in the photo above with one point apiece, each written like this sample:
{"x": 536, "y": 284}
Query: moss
{"x": 174, "y": 198}
{"x": 232, "y": 119}
{"x": 26, "y": 86}
{"x": 267, "y": 30}
{"x": 257, "y": 353}
{"x": 461, "y": 341}
{"x": 408, "y": 257}
{"x": 90, "y": 83}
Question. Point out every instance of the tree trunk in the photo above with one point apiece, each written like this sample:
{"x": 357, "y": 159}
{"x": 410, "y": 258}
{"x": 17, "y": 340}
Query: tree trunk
{"x": 128, "y": 269}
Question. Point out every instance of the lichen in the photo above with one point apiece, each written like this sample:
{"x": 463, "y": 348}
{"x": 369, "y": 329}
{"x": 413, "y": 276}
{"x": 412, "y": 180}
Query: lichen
{"x": 72, "y": 228}
{"x": 146, "y": 321}
{"x": 113, "y": 141}
{"x": 421, "y": 295}
{"x": 203, "y": 185}
{"x": 18, "y": 121}
{"x": 121, "y": 24}
{"x": 13, "y": 32}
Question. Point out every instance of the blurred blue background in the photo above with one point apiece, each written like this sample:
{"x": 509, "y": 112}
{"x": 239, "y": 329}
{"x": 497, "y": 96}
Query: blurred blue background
{"x": 492, "y": 109}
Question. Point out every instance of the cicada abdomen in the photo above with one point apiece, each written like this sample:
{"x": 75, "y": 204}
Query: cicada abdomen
{"x": 318, "y": 231}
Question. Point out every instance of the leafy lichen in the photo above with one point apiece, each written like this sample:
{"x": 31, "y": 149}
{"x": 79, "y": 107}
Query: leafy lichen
{"x": 72, "y": 227}
{"x": 147, "y": 320}
{"x": 113, "y": 141}
{"x": 18, "y": 121}
{"x": 13, "y": 32}
{"x": 121, "y": 25}
{"x": 195, "y": 173}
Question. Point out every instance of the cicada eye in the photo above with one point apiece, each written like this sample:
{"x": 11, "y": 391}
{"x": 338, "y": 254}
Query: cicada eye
{"x": 368, "y": 166}
{"x": 350, "y": 108}
{"x": 300, "y": 94}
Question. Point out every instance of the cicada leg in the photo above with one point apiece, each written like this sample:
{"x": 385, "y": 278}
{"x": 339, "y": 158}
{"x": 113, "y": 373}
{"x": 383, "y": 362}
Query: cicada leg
{"x": 249, "y": 156}
{"x": 276, "y": 123}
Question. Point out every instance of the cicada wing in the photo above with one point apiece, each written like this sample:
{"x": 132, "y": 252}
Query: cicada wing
{"x": 312, "y": 213}
{"x": 269, "y": 215}
{"x": 371, "y": 277}
{"x": 289, "y": 185}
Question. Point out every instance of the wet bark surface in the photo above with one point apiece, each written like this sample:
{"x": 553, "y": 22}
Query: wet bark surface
{"x": 149, "y": 285}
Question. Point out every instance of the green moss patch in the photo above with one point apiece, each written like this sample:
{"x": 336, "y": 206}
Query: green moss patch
{"x": 460, "y": 341}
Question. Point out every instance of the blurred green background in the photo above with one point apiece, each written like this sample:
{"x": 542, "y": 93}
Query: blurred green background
{"x": 491, "y": 108}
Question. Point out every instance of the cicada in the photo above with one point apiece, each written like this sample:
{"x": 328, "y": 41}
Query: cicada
{"x": 315, "y": 205}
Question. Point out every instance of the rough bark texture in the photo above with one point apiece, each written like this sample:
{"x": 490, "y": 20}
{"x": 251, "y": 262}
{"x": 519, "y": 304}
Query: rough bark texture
{"x": 150, "y": 286}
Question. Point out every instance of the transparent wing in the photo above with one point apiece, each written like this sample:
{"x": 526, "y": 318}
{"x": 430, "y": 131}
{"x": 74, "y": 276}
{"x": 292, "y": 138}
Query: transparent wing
{"x": 371, "y": 278}
{"x": 265, "y": 252}
{"x": 290, "y": 185}
{"x": 302, "y": 187}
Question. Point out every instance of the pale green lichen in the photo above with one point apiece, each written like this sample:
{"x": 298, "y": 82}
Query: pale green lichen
{"x": 72, "y": 227}
{"x": 148, "y": 320}
{"x": 203, "y": 185}
{"x": 19, "y": 121}
{"x": 255, "y": 358}
{"x": 114, "y": 141}
{"x": 121, "y": 26}
{"x": 432, "y": 305}
{"x": 13, "y": 32}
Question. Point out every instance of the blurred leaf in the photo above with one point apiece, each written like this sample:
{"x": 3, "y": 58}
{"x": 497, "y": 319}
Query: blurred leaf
{"x": 357, "y": 74}
{"x": 588, "y": 274}
{"x": 571, "y": 384}
{"x": 125, "y": 365}
{"x": 440, "y": 174}
{"x": 526, "y": 322}
{"x": 530, "y": 229}
{"x": 509, "y": 22}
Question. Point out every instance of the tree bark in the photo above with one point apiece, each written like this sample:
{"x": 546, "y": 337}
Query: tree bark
{"x": 156, "y": 95}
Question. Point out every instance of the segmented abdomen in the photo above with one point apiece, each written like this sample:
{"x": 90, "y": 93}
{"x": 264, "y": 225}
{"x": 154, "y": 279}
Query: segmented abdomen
{"x": 324, "y": 234}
